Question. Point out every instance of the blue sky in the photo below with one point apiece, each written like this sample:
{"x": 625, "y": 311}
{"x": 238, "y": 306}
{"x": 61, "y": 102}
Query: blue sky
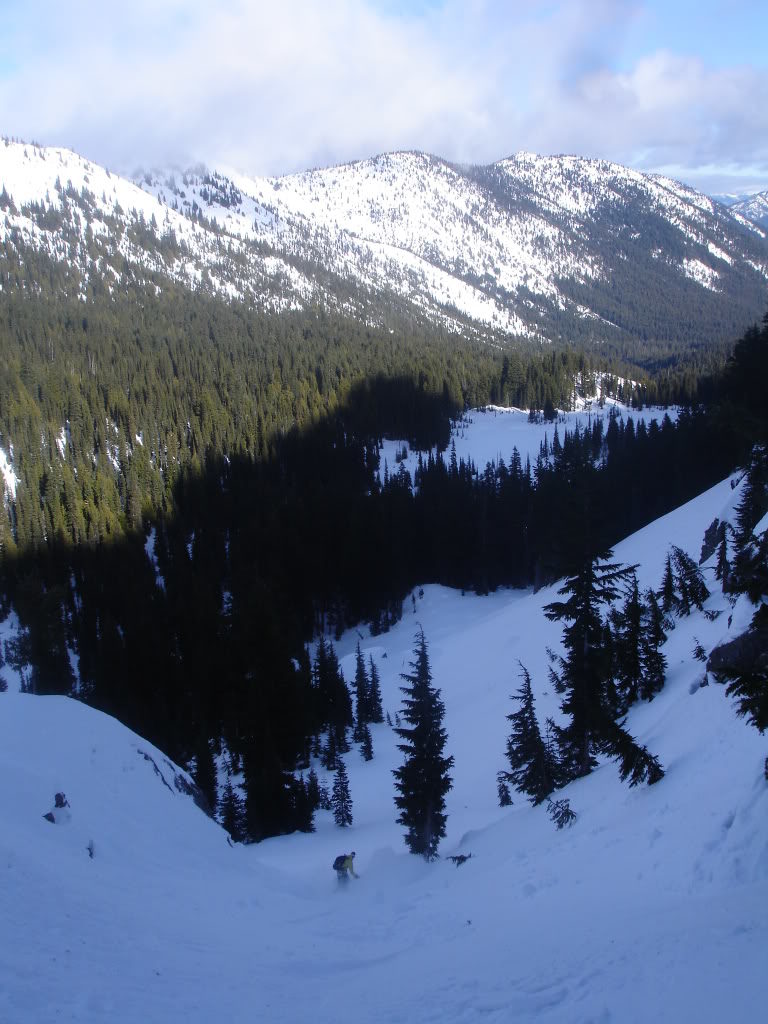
{"x": 675, "y": 86}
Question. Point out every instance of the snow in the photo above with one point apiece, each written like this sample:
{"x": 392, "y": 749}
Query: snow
{"x": 701, "y": 273}
{"x": 10, "y": 480}
{"x": 651, "y": 907}
{"x": 436, "y": 236}
{"x": 491, "y": 433}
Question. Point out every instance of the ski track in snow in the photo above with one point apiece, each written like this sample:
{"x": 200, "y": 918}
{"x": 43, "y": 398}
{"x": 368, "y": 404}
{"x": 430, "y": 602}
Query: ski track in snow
{"x": 650, "y": 908}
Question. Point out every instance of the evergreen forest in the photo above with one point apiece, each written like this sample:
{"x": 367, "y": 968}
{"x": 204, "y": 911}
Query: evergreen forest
{"x": 200, "y": 497}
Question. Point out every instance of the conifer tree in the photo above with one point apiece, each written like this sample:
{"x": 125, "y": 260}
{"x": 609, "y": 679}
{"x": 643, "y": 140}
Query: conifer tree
{"x": 362, "y": 697}
{"x": 232, "y": 812}
{"x": 532, "y": 769}
{"x": 561, "y": 813}
{"x": 636, "y": 763}
{"x": 324, "y": 797}
{"x": 313, "y": 789}
{"x": 689, "y": 582}
{"x": 422, "y": 781}
{"x": 366, "y": 746}
{"x": 654, "y": 662}
{"x": 502, "y": 790}
{"x": 334, "y": 704}
{"x": 754, "y": 499}
{"x": 341, "y": 801}
{"x": 723, "y": 566}
{"x": 667, "y": 592}
{"x": 585, "y": 678}
{"x": 205, "y": 772}
{"x": 303, "y": 808}
{"x": 586, "y": 668}
{"x": 330, "y": 755}
{"x": 628, "y": 646}
{"x": 376, "y": 709}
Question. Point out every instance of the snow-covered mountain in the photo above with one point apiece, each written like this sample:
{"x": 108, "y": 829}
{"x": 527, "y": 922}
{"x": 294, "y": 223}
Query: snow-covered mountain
{"x": 650, "y": 907}
{"x": 754, "y": 208}
{"x": 537, "y": 248}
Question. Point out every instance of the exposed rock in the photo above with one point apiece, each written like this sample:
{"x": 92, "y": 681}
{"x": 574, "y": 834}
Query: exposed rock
{"x": 747, "y": 654}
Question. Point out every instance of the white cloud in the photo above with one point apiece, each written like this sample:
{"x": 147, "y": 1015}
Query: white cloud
{"x": 273, "y": 87}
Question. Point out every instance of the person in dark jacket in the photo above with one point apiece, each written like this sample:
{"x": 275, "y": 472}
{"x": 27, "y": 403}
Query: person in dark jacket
{"x": 346, "y": 866}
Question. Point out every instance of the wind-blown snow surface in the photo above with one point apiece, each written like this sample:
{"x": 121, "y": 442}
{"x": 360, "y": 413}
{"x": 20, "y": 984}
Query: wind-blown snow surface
{"x": 650, "y": 908}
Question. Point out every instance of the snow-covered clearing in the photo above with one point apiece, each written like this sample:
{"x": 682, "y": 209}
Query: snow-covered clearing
{"x": 491, "y": 433}
{"x": 652, "y": 907}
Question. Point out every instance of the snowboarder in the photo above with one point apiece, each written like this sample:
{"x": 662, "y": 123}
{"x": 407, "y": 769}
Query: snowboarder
{"x": 344, "y": 866}
{"x": 60, "y": 813}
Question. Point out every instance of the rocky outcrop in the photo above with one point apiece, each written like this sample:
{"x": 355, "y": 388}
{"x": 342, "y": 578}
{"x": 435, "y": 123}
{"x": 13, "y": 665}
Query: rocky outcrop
{"x": 747, "y": 654}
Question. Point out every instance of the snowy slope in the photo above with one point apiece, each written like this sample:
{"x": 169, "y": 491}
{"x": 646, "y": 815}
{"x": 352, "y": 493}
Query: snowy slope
{"x": 91, "y": 219}
{"x": 522, "y": 248}
{"x": 650, "y": 908}
{"x": 754, "y": 208}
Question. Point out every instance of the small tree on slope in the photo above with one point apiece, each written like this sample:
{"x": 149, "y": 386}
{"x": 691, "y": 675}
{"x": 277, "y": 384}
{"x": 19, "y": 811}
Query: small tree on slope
{"x": 362, "y": 697}
{"x": 628, "y": 645}
{"x": 532, "y": 767}
{"x": 422, "y": 781}
{"x": 376, "y": 708}
{"x": 585, "y": 678}
{"x": 653, "y": 638}
{"x": 341, "y": 801}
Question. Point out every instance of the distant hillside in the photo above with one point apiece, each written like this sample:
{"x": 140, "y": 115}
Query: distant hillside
{"x": 754, "y": 208}
{"x": 530, "y": 249}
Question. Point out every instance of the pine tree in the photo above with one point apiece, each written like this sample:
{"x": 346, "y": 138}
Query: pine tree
{"x": 585, "y": 678}
{"x": 689, "y": 582}
{"x": 205, "y": 772}
{"x": 366, "y": 747}
{"x": 232, "y": 812}
{"x": 330, "y": 755}
{"x": 561, "y": 813}
{"x": 628, "y": 646}
{"x": 530, "y": 761}
{"x": 362, "y": 697}
{"x": 313, "y": 789}
{"x": 303, "y": 807}
{"x": 584, "y": 673}
{"x": 723, "y": 566}
{"x": 636, "y": 763}
{"x": 324, "y": 798}
{"x": 341, "y": 801}
{"x": 667, "y": 592}
{"x": 502, "y": 790}
{"x": 653, "y": 638}
{"x": 334, "y": 704}
{"x": 754, "y": 499}
{"x": 376, "y": 710}
{"x": 422, "y": 781}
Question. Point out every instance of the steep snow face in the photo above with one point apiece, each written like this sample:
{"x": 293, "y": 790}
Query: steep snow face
{"x": 650, "y": 907}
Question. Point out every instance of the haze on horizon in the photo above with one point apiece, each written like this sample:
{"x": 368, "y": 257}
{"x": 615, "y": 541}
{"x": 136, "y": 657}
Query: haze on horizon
{"x": 679, "y": 88}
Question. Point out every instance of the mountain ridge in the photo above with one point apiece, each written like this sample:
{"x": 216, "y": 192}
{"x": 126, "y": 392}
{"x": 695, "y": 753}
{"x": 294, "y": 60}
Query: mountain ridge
{"x": 533, "y": 250}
